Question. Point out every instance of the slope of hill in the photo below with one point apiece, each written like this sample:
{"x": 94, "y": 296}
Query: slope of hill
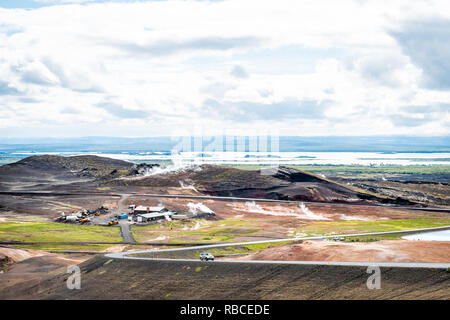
{"x": 136, "y": 279}
{"x": 280, "y": 183}
{"x": 49, "y": 169}
{"x": 83, "y": 172}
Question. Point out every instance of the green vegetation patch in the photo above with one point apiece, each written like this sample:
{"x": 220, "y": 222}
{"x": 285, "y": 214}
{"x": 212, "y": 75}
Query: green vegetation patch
{"x": 385, "y": 169}
{"x": 104, "y": 188}
{"x": 374, "y": 238}
{"x": 238, "y": 250}
{"x": 213, "y": 231}
{"x": 65, "y": 247}
{"x": 344, "y": 227}
{"x": 217, "y": 252}
{"x": 57, "y": 232}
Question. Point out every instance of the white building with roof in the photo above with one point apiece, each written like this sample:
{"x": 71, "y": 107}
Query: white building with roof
{"x": 148, "y": 209}
{"x": 146, "y": 217}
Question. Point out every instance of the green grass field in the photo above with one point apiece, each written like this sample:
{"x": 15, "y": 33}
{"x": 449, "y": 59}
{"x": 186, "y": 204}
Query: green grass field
{"x": 344, "y": 227}
{"x": 237, "y": 250}
{"x": 56, "y": 232}
{"x": 74, "y": 247}
{"x": 65, "y": 247}
{"x": 215, "y": 231}
{"x": 233, "y": 230}
{"x": 386, "y": 169}
{"x": 217, "y": 252}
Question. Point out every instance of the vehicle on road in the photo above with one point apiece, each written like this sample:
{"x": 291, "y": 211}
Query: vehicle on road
{"x": 113, "y": 222}
{"x": 206, "y": 256}
{"x": 71, "y": 218}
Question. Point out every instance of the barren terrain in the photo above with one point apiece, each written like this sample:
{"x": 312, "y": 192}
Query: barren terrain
{"x": 379, "y": 251}
{"x": 134, "y": 279}
{"x": 313, "y": 206}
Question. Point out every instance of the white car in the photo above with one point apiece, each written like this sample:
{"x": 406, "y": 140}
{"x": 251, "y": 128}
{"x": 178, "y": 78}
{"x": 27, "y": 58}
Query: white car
{"x": 206, "y": 257}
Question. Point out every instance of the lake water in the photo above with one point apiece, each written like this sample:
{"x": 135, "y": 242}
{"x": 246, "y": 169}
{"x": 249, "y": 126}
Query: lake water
{"x": 430, "y": 236}
{"x": 269, "y": 158}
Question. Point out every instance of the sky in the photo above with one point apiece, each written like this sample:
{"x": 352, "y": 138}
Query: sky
{"x": 286, "y": 67}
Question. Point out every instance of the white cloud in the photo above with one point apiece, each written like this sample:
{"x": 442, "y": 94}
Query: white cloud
{"x": 239, "y": 72}
{"x": 63, "y": 1}
{"x": 37, "y": 73}
{"x": 146, "y": 67}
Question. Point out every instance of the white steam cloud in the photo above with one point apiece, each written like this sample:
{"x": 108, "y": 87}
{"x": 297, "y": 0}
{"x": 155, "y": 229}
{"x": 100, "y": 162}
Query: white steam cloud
{"x": 194, "y": 208}
{"x": 189, "y": 187}
{"x": 176, "y": 168}
{"x": 277, "y": 211}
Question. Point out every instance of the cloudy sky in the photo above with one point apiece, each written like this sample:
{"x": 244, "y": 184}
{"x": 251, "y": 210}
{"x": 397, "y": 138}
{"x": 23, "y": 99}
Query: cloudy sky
{"x": 158, "y": 68}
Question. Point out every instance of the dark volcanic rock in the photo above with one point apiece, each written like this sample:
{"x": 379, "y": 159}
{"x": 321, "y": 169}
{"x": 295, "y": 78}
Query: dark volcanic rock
{"x": 283, "y": 183}
{"x": 4, "y": 262}
{"x": 93, "y": 165}
{"x": 48, "y": 169}
{"x": 103, "y": 278}
{"x": 294, "y": 175}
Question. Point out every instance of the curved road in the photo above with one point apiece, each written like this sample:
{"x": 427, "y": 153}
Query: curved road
{"x": 126, "y": 255}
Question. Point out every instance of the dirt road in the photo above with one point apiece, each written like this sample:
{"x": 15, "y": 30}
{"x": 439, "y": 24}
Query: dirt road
{"x": 125, "y": 232}
{"x": 124, "y": 224}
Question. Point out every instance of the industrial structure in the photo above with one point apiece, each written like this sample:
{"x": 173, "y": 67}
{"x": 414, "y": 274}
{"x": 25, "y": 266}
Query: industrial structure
{"x": 146, "y": 214}
{"x": 144, "y": 209}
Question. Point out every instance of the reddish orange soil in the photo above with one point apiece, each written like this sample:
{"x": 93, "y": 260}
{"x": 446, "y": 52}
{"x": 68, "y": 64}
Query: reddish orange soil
{"x": 18, "y": 255}
{"x": 380, "y": 251}
{"x": 32, "y": 265}
{"x": 285, "y": 211}
{"x": 279, "y": 220}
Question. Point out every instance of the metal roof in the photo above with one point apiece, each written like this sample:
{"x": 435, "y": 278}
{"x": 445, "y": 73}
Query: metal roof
{"x": 151, "y": 209}
{"x": 155, "y": 214}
